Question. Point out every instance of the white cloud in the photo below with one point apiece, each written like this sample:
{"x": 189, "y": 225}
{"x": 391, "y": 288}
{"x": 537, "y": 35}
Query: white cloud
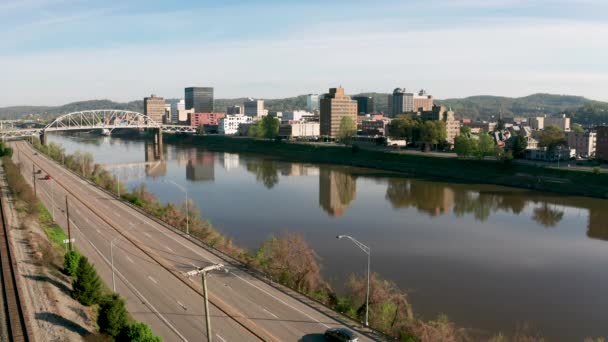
{"x": 512, "y": 58}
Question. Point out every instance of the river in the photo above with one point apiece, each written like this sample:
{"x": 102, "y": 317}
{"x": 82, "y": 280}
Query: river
{"x": 489, "y": 257}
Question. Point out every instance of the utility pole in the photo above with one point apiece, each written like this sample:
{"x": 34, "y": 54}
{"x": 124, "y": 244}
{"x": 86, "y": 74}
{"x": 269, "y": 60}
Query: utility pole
{"x": 203, "y": 273}
{"x": 34, "y": 178}
{"x": 67, "y": 213}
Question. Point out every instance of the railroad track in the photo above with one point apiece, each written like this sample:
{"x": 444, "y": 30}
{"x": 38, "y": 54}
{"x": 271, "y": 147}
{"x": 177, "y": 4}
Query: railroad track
{"x": 17, "y": 319}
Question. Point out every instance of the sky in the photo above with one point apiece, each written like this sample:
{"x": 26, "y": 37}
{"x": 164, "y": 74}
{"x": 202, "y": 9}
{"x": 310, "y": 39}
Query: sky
{"x": 57, "y": 51}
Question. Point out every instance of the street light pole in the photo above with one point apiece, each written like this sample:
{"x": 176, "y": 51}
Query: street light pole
{"x": 53, "y": 198}
{"x": 203, "y": 273}
{"x": 185, "y": 190}
{"x": 367, "y": 251}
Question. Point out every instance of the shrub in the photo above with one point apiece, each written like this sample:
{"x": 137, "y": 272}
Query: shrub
{"x": 86, "y": 288}
{"x": 138, "y": 332}
{"x": 71, "y": 260}
{"x": 596, "y": 170}
{"x": 112, "y": 318}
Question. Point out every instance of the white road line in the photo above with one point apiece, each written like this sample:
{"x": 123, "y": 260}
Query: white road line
{"x": 220, "y": 337}
{"x": 98, "y": 232}
{"x": 130, "y": 260}
{"x": 169, "y": 249}
{"x": 271, "y": 314}
{"x": 133, "y": 288}
{"x": 153, "y": 280}
{"x": 148, "y": 235}
{"x": 182, "y": 305}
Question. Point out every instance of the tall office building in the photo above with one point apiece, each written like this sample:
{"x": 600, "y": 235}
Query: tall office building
{"x": 254, "y": 108}
{"x": 365, "y": 104}
{"x": 154, "y": 108}
{"x": 423, "y": 101}
{"x": 335, "y": 106}
{"x": 601, "y": 147}
{"x": 400, "y": 102}
{"x": 233, "y": 110}
{"x": 312, "y": 102}
{"x": 199, "y": 98}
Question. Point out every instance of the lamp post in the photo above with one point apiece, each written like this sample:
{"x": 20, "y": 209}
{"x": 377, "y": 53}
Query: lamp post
{"x": 187, "y": 204}
{"x": 112, "y": 257}
{"x": 203, "y": 273}
{"x": 53, "y": 197}
{"x": 367, "y": 251}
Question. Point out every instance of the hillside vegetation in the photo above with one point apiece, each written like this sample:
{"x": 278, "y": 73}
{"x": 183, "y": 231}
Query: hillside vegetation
{"x": 583, "y": 110}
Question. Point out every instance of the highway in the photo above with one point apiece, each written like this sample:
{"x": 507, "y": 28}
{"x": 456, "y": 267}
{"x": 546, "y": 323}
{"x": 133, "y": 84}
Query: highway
{"x": 150, "y": 259}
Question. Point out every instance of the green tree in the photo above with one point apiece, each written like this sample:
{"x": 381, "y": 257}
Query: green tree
{"x": 519, "y": 146}
{"x": 347, "y": 129}
{"x": 465, "y": 130}
{"x": 486, "y": 146}
{"x": 551, "y": 137}
{"x": 138, "y": 332}
{"x": 433, "y": 132}
{"x": 71, "y": 261}
{"x": 465, "y": 146}
{"x": 86, "y": 288}
{"x": 269, "y": 127}
{"x": 578, "y": 128}
{"x": 112, "y": 318}
{"x": 405, "y": 126}
{"x": 255, "y": 130}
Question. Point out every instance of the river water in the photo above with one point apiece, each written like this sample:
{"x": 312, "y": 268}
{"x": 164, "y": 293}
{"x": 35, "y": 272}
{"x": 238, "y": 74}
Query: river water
{"x": 489, "y": 257}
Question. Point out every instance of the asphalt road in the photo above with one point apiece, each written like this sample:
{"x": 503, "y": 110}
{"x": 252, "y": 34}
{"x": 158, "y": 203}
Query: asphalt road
{"x": 149, "y": 262}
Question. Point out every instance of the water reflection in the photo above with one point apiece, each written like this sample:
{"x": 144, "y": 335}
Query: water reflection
{"x": 265, "y": 171}
{"x": 547, "y": 215}
{"x": 156, "y": 166}
{"x": 201, "y": 167}
{"x": 337, "y": 189}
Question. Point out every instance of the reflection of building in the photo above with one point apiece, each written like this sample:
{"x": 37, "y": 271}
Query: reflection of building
{"x": 229, "y": 161}
{"x": 337, "y": 190}
{"x": 153, "y": 153}
{"x": 432, "y": 198}
{"x": 201, "y": 167}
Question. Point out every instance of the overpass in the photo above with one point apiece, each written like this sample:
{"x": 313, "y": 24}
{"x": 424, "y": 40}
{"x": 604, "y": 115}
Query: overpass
{"x": 105, "y": 120}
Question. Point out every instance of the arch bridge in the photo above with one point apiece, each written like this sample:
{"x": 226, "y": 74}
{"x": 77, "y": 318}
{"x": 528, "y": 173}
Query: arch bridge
{"x": 105, "y": 120}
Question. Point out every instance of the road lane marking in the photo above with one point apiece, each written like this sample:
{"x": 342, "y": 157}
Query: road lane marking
{"x": 133, "y": 288}
{"x": 271, "y": 314}
{"x": 169, "y": 249}
{"x": 220, "y": 337}
{"x": 182, "y": 305}
{"x": 148, "y": 235}
{"x": 153, "y": 280}
{"x": 130, "y": 260}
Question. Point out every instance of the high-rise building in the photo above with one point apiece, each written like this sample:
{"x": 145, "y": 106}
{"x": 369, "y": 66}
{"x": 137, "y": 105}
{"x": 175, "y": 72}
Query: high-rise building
{"x": 154, "y": 108}
{"x": 601, "y": 147}
{"x": 199, "y": 98}
{"x": 254, "y": 108}
{"x": 583, "y": 142}
{"x": 176, "y": 107}
{"x": 312, "y": 102}
{"x": 365, "y": 104}
{"x": 335, "y": 106}
{"x": 167, "y": 117}
{"x": 233, "y": 110}
{"x": 423, "y": 101}
{"x": 400, "y": 102}
{"x": 561, "y": 121}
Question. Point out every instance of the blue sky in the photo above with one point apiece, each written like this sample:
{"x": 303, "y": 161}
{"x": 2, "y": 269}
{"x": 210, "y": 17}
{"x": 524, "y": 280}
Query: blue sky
{"x": 57, "y": 51}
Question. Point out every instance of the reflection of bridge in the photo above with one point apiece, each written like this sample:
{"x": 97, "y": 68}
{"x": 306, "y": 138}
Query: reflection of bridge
{"x": 136, "y": 171}
{"x": 105, "y": 120}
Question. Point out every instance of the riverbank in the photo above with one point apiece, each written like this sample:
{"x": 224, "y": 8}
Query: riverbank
{"x": 568, "y": 182}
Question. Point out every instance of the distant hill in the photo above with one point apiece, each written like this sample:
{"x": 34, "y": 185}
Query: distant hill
{"x": 580, "y": 108}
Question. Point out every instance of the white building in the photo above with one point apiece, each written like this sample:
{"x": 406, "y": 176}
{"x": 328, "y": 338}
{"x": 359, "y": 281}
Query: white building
{"x": 312, "y": 102}
{"x": 229, "y": 125}
{"x": 555, "y": 155}
{"x": 297, "y": 115}
{"x": 254, "y": 108}
{"x": 300, "y": 129}
{"x": 167, "y": 117}
{"x": 175, "y": 108}
{"x": 560, "y": 121}
{"x": 584, "y": 143}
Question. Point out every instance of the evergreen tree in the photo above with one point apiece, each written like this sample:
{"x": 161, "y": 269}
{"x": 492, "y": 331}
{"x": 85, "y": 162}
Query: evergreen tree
{"x": 71, "y": 261}
{"x": 138, "y": 332}
{"x": 86, "y": 288}
{"x": 112, "y": 317}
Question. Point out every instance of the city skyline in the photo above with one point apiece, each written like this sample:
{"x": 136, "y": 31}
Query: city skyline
{"x": 64, "y": 51}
